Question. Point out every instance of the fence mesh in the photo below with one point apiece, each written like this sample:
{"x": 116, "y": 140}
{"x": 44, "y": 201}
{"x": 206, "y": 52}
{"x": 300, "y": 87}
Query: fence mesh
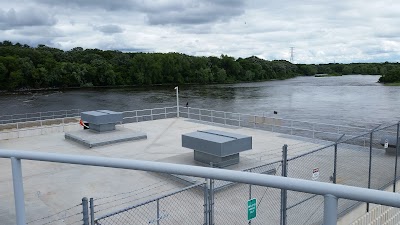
{"x": 69, "y": 216}
{"x": 180, "y": 207}
{"x": 361, "y": 161}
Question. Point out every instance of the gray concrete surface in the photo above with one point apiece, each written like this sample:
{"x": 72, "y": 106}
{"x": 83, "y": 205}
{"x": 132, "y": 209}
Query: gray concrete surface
{"x": 91, "y": 138}
{"x": 51, "y": 187}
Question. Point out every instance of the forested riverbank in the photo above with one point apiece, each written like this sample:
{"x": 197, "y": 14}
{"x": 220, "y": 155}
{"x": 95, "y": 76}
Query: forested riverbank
{"x": 23, "y": 67}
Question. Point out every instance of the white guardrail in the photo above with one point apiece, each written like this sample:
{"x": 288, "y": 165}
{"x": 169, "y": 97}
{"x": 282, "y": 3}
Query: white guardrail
{"x": 331, "y": 192}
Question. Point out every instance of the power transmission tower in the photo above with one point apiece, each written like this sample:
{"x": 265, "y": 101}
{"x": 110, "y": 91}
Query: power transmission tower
{"x": 291, "y": 54}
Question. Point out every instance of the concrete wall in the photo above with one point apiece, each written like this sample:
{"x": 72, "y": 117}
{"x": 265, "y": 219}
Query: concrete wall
{"x": 378, "y": 214}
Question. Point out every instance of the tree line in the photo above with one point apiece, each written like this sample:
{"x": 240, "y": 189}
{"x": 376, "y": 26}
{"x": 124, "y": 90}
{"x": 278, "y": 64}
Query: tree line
{"x": 25, "y": 67}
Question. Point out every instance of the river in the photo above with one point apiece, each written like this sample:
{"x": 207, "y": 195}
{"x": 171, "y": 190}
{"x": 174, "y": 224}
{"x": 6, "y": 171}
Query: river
{"x": 341, "y": 100}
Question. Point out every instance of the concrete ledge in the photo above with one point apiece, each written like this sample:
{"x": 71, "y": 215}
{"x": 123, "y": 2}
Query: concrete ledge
{"x": 91, "y": 139}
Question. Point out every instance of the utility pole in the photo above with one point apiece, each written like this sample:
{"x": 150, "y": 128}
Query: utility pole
{"x": 291, "y": 54}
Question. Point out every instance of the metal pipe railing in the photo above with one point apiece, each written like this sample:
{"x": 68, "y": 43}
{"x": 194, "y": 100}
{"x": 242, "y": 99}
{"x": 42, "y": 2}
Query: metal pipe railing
{"x": 26, "y": 117}
{"x": 328, "y": 190}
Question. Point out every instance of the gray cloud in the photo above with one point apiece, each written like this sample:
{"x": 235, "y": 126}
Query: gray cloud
{"x": 25, "y": 17}
{"x": 321, "y": 31}
{"x": 194, "y": 12}
{"x": 113, "y": 5}
{"x": 109, "y": 29}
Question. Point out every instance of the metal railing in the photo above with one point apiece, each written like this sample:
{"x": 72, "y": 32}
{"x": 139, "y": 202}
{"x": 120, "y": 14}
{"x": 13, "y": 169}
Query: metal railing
{"x": 323, "y": 131}
{"x": 330, "y": 192}
{"x": 309, "y": 129}
{"x": 39, "y": 116}
{"x": 38, "y": 127}
{"x": 148, "y": 114}
{"x": 20, "y": 125}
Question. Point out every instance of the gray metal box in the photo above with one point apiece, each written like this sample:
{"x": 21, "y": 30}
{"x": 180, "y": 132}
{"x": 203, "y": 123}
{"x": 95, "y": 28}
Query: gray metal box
{"x": 219, "y": 147}
{"x": 102, "y": 120}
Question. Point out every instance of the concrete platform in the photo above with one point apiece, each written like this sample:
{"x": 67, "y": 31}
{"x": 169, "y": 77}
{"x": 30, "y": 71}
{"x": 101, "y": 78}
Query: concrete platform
{"x": 91, "y": 139}
{"x": 51, "y": 187}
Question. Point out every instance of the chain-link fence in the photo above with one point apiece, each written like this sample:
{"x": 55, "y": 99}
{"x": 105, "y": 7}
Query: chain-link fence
{"x": 185, "y": 206}
{"x": 69, "y": 216}
{"x": 368, "y": 160}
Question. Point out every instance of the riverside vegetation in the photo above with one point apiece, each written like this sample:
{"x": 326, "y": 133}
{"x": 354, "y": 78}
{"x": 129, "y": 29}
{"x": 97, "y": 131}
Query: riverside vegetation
{"x": 23, "y": 67}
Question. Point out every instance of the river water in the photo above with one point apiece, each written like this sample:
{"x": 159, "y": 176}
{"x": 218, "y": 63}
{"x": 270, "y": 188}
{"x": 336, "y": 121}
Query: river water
{"x": 340, "y": 100}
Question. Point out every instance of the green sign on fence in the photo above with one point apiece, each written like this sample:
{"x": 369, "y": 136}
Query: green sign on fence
{"x": 251, "y": 209}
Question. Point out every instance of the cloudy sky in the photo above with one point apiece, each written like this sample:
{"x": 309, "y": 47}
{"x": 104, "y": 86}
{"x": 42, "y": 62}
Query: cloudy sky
{"x": 321, "y": 31}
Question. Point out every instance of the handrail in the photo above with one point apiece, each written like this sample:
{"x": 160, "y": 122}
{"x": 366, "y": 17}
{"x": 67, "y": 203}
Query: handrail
{"x": 20, "y": 114}
{"x": 331, "y": 192}
{"x": 278, "y": 118}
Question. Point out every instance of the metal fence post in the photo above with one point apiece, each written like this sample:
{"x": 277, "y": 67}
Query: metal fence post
{"x": 397, "y": 154}
{"x": 335, "y": 165}
{"x": 137, "y": 118}
{"x": 211, "y": 202}
{"x": 165, "y": 112}
{"x": 334, "y": 176}
{"x": 85, "y": 211}
{"x": 188, "y": 112}
{"x": 151, "y": 114}
{"x": 18, "y": 191}
{"x": 283, "y": 191}
{"x": 330, "y": 209}
{"x": 206, "y": 203}
{"x": 158, "y": 211}
{"x": 250, "y": 194}
{"x": 370, "y": 164}
{"x": 91, "y": 211}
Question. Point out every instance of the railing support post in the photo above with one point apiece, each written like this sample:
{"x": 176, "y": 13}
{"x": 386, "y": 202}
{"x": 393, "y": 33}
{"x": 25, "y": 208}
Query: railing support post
{"x": 330, "y": 209}
{"x": 177, "y": 101}
{"x": 283, "y": 191}
{"x": 225, "y": 118}
{"x": 18, "y": 191}
{"x": 85, "y": 211}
